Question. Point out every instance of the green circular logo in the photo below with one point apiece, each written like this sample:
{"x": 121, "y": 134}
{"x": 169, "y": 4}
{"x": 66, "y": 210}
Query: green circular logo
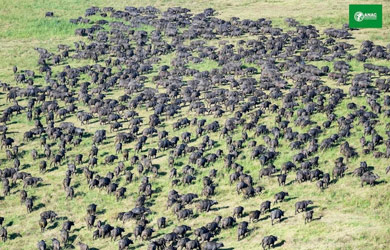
{"x": 358, "y": 16}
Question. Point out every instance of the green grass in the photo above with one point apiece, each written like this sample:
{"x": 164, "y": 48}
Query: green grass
{"x": 351, "y": 217}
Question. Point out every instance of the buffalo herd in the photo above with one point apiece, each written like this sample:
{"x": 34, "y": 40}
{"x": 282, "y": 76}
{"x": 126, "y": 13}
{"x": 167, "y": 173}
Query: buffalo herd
{"x": 185, "y": 98}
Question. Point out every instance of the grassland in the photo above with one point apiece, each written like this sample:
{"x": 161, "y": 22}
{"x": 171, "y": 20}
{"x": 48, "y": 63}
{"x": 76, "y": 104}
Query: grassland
{"x": 347, "y": 216}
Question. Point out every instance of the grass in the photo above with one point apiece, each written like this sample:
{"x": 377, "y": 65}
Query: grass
{"x": 348, "y": 216}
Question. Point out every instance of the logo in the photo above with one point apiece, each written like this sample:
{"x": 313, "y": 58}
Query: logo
{"x": 359, "y": 16}
{"x": 365, "y": 16}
